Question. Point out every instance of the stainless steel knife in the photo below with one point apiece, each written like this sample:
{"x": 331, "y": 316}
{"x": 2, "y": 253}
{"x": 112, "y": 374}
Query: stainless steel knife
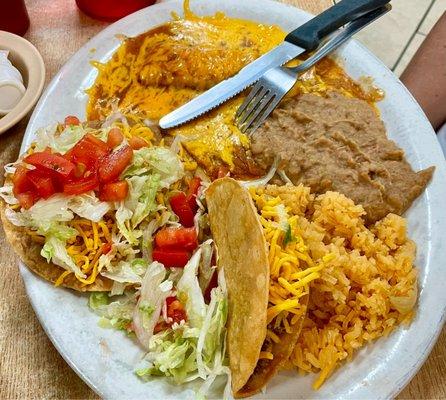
{"x": 305, "y": 38}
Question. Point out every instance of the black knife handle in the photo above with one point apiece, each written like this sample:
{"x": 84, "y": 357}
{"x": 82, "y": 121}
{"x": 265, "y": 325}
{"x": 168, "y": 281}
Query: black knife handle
{"x": 310, "y": 34}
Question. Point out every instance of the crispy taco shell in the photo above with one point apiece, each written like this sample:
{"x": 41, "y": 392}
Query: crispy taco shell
{"x": 266, "y": 369}
{"x": 242, "y": 254}
{"x": 29, "y": 252}
{"x": 242, "y": 250}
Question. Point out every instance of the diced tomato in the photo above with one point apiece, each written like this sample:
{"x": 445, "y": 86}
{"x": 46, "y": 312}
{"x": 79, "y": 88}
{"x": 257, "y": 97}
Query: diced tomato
{"x": 170, "y": 300}
{"x": 88, "y": 151}
{"x": 137, "y": 143}
{"x": 42, "y": 182}
{"x": 161, "y": 326}
{"x": 71, "y": 120}
{"x": 178, "y": 316}
{"x": 106, "y": 248}
{"x": 192, "y": 192}
{"x": 115, "y": 137}
{"x": 114, "y": 191}
{"x": 177, "y": 238}
{"x": 213, "y": 283}
{"x": 81, "y": 186}
{"x": 171, "y": 258}
{"x": 112, "y": 165}
{"x": 51, "y": 162}
{"x": 182, "y": 209}
{"x": 97, "y": 142}
{"x": 175, "y": 310}
{"x": 26, "y": 199}
{"x": 20, "y": 180}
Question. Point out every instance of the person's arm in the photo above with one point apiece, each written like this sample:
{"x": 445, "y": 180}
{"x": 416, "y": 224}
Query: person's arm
{"x": 425, "y": 76}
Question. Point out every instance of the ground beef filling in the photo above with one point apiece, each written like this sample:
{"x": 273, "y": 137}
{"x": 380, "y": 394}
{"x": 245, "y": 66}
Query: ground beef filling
{"x": 339, "y": 143}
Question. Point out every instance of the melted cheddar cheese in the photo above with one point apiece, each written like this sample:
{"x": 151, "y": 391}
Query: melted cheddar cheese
{"x": 161, "y": 69}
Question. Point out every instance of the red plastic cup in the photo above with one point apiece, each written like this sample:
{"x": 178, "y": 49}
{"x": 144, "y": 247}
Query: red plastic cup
{"x": 14, "y": 17}
{"x": 111, "y": 10}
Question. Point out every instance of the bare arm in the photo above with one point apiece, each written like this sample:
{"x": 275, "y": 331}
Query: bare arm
{"x": 425, "y": 76}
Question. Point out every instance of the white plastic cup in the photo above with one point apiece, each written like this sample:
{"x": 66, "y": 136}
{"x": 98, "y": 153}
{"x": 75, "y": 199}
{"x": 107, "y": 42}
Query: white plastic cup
{"x": 11, "y": 84}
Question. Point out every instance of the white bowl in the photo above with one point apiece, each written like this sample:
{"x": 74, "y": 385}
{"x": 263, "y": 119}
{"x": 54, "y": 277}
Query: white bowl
{"x": 25, "y": 57}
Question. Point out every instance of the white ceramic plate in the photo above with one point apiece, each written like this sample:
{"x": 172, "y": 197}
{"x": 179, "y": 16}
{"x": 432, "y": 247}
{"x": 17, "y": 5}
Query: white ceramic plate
{"x": 105, "y": 359}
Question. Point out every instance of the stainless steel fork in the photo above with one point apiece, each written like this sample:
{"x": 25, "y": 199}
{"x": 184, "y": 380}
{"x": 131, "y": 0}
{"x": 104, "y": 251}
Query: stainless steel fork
{"x": 277, "y": 82}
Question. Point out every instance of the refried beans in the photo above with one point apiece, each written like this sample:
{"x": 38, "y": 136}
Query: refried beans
{"x": 339, "y": 143}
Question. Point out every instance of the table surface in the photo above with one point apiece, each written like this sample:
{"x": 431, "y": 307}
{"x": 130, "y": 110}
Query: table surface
{"x": 30, "y": 366}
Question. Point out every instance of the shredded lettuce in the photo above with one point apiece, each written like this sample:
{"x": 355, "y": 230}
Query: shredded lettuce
{"x": 153, "y": 293}
{"x": 156, "y": 160}
{"x": 115, "y": 314}
{"x": 282, "y": 216}
{"x": 43, "y": 214}
{"x": 97, "y": 299}
{"x": 289, "y": 237}
{"x": 211, "y": 346}
{"x": 59, "y": 208}
{"x": 60, "y": 143}
{"x": 54, "y": 250}
{"x": 121, "y": 265}
{"x": 151, "y": 170}
{"x": 137, "y": 206}
{"x": 7, "y": 194}
{"x": 11, "y": 167}
{"x": 172, "y": 353}
{"x": 189, "y": 351}
{"x": 88, "y": 206}
{"x": 127, "y": 271}
{"x": 123, "y": 216}
{"x": 146, "y": 308}
{"x": 206, "y": 270}
{"x": 141, "y": 200}
{"x": 189, "y": 292}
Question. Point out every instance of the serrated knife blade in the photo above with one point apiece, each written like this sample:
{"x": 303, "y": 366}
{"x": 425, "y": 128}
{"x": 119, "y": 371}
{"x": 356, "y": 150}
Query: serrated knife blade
{"x": 228, "y": 88}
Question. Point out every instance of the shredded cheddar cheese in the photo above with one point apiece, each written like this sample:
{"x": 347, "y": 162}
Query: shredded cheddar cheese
{"x": 266, "y": 355}
{"x": 61, "y": 278}
{"x": 291, "y": 266}
{"x": 87, "y": 247}
{"x": 135, "y": 127}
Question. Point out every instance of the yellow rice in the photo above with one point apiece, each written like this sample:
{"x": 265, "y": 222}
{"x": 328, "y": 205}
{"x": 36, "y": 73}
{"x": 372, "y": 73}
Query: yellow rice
{"x": 364, "y": 293}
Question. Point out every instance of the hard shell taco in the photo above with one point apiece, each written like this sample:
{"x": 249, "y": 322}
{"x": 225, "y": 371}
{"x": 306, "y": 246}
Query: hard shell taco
{"x": 268, "y": 270}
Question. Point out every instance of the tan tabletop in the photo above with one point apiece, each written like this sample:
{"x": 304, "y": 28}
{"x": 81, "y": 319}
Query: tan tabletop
{"x": 30, "y": 367}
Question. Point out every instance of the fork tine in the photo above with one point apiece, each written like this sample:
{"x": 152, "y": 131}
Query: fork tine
{"x": 253, "y": 106}
{"x": 243, "y": 108}
{"x": 267, "y": 111}
{"x": 260, "y": 107}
